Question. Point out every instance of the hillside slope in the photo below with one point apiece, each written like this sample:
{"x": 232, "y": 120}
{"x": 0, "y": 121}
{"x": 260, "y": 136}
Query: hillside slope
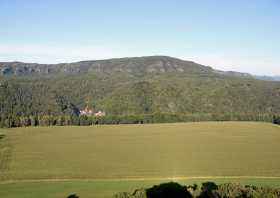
{"x": 126, "y": 86}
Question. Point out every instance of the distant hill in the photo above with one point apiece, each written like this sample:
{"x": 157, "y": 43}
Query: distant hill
{"x": 268, "y": 78}
{"x": 132, "y": 86}
{"x": 236, "y": 74}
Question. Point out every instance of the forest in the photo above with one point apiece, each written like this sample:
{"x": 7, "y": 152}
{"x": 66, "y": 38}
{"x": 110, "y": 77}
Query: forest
{"x": 131, "y": 90}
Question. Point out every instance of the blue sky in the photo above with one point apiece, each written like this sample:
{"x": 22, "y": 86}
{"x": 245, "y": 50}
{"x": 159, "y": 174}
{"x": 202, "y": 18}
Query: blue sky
{"x": 229, "y": 35}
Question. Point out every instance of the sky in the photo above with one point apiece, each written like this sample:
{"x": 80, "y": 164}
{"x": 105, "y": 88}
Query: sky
{"x": 232, "y": 35}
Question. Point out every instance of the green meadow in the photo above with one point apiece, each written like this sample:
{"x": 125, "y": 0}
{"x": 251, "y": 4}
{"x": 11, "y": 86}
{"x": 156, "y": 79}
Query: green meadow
{"x": 101, "y": 160}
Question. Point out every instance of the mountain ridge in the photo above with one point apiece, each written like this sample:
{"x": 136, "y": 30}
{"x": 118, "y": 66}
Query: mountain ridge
{"x": 148, "y": 64}
{"x": 18, "y": 68}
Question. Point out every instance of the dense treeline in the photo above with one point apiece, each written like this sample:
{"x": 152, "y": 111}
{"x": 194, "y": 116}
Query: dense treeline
{"x": 83, "y": 120}
{"x": 131, "y": 90}
{"x": 276, "y": 119}
{"x": 206, "y": 190}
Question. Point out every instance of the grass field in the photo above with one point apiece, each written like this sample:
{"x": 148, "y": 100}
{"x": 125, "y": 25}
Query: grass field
{"x": 103, "y": 189}
{"x": 101, "y": 160}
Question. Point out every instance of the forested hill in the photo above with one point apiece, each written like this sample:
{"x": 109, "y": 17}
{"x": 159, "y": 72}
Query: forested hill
{"x": 133, "y": 86}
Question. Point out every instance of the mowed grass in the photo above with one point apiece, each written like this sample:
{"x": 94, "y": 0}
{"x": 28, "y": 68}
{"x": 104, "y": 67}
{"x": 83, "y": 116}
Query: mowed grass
{"x": 123, "y": 157}
{"x": 104, "y": 189}
{"x": 143, "y": 151}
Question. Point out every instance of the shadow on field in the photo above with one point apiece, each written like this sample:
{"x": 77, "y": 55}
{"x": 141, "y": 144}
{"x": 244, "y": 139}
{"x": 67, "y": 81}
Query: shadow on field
{"x": 175, "y": 190}
{"x": 73, "y": 196}
{"x": 168, "y": 190}
{"x": 2, "y": 136}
